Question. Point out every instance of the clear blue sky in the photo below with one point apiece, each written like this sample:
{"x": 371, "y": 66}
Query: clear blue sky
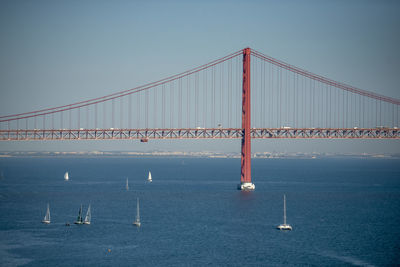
{"x": 58, "y": 52}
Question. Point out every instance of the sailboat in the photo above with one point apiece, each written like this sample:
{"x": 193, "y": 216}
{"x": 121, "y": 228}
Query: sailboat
{"x": 88, "y": 216}
{"x": 66, "y": 176}
{"x": 149, "y": 178}
{"x": 127, "y": 184}
{"x": 284, "y": 226}
{"x": 137, "y": 220}
{"x": 46, "y": 218}
{"x": 79, "y": 219}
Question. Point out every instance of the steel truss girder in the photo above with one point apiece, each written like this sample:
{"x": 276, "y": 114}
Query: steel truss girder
{"x": 195, "y": 133}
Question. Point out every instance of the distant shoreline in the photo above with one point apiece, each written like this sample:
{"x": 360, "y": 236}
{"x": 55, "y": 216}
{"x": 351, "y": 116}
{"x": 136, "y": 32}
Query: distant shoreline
{"x": 181, "y": 154}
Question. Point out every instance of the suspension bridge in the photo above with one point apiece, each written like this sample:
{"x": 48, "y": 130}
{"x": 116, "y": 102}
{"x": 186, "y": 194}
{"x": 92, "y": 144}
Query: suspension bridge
{"x": 243, "y": 95}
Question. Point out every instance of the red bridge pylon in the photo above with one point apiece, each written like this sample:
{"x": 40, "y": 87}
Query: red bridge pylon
{"x": 245, "y": 179}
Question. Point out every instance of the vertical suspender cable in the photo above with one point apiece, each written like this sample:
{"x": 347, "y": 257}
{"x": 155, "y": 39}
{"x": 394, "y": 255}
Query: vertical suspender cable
{"x": 163, "y": 107}
{"x": 187, "y": 102}
{"x": 156, "y": 125}
{"x": 180, "y": 104}
{"x": 213, "y": 98}
{"x": 129, "y": 111}
{"x": 171, "y": 108}
{"x": 146, "y": 109}
{"x": 95, "y": 115}
{"x": 121, "y": 118}
{"x": 221, "y": 88}
{"x": 204, "y": 113}
{"x": 196, "y": 97}
{"x": 229, "y": 92}
{"x": 79, "y": 118}
{"x": 138, "y": 111}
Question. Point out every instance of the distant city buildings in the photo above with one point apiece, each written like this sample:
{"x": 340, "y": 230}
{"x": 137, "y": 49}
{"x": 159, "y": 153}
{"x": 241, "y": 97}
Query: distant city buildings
{"x": 201, "y": 154}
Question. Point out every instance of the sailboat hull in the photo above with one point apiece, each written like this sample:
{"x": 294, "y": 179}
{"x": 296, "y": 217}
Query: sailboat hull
{"x": 46, "y": 222}
{"x": 136, "y": 224}
{"x": 284, "y": 227}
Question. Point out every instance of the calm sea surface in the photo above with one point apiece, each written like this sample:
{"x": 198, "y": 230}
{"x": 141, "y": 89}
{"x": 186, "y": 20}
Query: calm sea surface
{"x": 343, "y": 212}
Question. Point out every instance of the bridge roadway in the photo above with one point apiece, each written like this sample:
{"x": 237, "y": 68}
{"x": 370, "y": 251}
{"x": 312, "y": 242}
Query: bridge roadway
{"x": 145, "y": 135}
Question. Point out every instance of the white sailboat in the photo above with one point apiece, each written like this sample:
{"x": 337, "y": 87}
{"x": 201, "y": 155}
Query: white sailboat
{"x": 137, "y": 220}
{"x": 79, "y": 219}
{"x": 127, "y": 184}
{"x": 149, "y": 179}
{"x": 284, "y": 226}
{"x": 66, "y": 176}
{"x": 46, "y": 218}
{"x": 88, "y": 216}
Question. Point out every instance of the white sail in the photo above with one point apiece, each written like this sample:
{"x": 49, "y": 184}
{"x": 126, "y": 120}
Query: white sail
{"x": 46, "y": 218}
{"x": 88, "y": 216}
{"x": 149, "y": 178}
{"x": 127, "y": 184}
{"x": 66, "y": 176}
{"x": 137, "y": 220}
{"x": 79, "y": 219}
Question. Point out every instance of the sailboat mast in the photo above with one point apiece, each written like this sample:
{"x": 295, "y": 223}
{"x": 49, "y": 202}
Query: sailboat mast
{"x": 284, "y": 209}
{"x": 48, "y": 212}
{"x": 137, "y": 211}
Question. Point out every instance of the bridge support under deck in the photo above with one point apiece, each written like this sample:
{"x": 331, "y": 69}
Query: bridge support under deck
{"x": 245, "y": 179}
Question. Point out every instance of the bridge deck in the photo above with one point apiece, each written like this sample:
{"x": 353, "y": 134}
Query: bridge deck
{"x": 194, "y": 133}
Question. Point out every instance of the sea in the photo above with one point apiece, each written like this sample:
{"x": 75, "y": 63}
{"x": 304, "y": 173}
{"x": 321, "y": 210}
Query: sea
{"x": 343, "y": 211}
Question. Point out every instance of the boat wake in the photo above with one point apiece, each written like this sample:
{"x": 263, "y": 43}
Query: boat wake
{"x": 345, "y": 259}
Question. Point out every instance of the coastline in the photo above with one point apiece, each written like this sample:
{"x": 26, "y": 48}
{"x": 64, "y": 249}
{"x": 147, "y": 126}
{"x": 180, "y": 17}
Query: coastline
{"x": 182, "y": 154}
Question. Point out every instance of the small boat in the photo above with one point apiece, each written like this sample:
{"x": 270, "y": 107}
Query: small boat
{"x": 127, "y": 185}
{"x": 79, "y": 219}
{"x": 149, "y": 179}
{"x": 284, "y": 226}
{"x": 246, "y": 186}
{"x": 88, "y": 216}
{"x": 66, "y": 176}
{"x": 46, "y": 218}
{"x": 137, "y": 220}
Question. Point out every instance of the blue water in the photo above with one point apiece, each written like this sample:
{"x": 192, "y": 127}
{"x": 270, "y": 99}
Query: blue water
{"x": 343, "y": 212}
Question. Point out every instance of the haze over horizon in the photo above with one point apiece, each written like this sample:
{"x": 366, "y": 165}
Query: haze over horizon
{"x": 57, "y": 53}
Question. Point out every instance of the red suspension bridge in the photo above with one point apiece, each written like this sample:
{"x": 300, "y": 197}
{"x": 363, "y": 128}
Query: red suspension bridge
{"x": 215, "y": 101}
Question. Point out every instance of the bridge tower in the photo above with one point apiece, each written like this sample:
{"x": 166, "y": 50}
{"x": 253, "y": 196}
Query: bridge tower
{"x": 245, "y": 178}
